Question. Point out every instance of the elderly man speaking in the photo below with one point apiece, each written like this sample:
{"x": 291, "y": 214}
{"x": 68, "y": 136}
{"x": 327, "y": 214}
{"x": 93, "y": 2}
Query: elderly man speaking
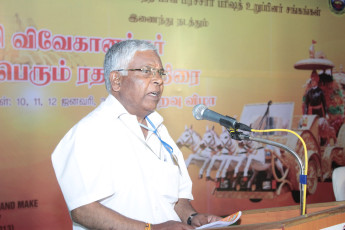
{"x": 118, "y": 168}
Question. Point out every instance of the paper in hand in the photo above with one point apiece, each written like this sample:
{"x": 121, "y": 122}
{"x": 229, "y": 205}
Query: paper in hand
{"x": 223, "y": 222}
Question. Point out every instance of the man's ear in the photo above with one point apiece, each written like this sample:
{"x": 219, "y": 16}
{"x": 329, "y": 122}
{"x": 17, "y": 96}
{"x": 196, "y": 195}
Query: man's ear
{"x": 115, "y": 81}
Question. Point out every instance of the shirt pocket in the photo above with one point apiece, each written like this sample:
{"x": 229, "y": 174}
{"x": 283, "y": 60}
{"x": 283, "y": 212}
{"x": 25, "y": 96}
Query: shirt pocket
{"x": 167, "y": 181}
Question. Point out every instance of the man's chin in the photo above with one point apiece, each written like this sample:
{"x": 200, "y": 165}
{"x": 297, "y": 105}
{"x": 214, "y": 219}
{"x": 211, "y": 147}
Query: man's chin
{"x": 152, "y": 107}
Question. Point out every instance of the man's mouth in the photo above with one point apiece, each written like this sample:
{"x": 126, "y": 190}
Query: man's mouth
{"x": 155, "y": 94}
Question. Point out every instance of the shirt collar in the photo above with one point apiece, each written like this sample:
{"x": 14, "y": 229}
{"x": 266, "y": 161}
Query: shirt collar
{"x": 118, "y": 109}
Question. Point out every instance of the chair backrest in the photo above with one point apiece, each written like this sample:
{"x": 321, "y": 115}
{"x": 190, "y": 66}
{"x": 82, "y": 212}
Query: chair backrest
{"x": 338, "y": 181}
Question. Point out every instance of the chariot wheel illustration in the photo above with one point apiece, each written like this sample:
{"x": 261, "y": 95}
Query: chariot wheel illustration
{"x": 238, "y": 187}
{"x": 312, "y": 178}
{"x": 253, "y": 187}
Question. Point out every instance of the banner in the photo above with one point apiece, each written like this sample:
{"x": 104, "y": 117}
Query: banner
{"x": 251, "y": 60}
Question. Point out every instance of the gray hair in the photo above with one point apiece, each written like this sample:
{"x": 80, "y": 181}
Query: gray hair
{"x": 121, "y": 54}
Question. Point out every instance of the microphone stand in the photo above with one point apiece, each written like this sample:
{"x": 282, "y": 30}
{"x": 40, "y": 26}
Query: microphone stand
{"x": 240, "y": 136}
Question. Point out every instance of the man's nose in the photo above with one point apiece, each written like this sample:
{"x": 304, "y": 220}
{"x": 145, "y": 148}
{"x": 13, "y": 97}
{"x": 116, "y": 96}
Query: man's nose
{"x": 156, "y": 77}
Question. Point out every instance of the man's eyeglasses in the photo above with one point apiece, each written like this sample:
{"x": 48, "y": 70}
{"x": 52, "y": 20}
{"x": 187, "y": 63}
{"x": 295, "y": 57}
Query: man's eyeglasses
{"x": 149, "y": 72}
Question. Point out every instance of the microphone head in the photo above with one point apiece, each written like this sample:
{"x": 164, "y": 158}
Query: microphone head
{"x": 198, "y": 111}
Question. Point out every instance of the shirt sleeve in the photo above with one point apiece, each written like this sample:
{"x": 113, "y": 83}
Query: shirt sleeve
{"x": 81, "y": 166}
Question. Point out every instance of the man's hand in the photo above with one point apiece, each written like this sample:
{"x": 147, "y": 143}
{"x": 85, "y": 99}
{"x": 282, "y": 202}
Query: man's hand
{"x": 184, "y": 209}
{"x": 202, "y": 219}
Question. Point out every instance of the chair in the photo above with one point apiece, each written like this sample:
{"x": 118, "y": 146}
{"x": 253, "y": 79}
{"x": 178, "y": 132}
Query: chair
{"x": 338, "y": 178}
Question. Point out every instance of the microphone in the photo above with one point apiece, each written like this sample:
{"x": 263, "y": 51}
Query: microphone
{"x": 201, "y": 112}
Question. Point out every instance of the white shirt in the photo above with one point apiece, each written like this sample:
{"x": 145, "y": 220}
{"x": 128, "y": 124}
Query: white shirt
{"x": 106, "y": 158}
